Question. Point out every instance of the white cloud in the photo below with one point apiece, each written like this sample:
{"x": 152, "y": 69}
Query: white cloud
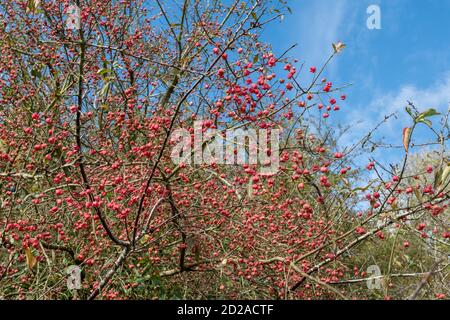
{"x": 366, "y": 117}
{"x": 436, "y": 96}
{"x": 320, "y": 25}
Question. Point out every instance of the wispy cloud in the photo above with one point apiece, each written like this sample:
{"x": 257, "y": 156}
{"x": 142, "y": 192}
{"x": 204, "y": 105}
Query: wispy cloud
{"x": 320, "y": 25}
{"x": 437, "y": 96}
{"x": 365, "y": 117}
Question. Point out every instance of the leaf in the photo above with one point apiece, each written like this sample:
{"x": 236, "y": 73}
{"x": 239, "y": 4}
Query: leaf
{"x": 363, "y": 189}
{"x": 103, "y": 71}
{"x": 429, "y": 113}
{"x": 397, "y": 262}
{"x": 31, "y": 259}
{"x": 418, "y": 195}
{"x": 33, "y": 6}
{"x": 441, "y": 177}
{"x": 410, "y": 112}
{"x": 338, "y": 47}
{"x": 30, "y": 6}
{"x": 254, "y": 16}
{"x": 394, "y": 205}
{"x": 406, "y": 138}
{"x": 427, "y": 122}
{"x": 145, "y": 239}
{"x": 426, "y": 114}
{"x": 445, "y": 174}
{"x": 3, "y": 146}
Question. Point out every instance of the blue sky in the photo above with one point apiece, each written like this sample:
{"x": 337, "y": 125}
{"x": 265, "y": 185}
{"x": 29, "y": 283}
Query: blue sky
{"x": 408, "y": 59}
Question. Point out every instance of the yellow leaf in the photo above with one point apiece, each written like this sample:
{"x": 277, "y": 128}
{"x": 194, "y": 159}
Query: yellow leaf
{"x": 444, "y": 176}
{"x": 338, "y": 47}
{"x": 3, "y": 146}
{"x": 145, "y": 239}
{"x": 406, "y": 138}
{"x": 31, "y": 259}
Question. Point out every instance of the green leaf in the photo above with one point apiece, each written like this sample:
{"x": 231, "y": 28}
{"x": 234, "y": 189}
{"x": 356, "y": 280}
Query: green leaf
{"x": 102, "y": 71}
{"x": 427, "y": 122}
{"x": 254, "y": 16}
{"x": 426, "y": 114}
{"x": 429, "y": 113}
{"x": 408, "y": 109}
